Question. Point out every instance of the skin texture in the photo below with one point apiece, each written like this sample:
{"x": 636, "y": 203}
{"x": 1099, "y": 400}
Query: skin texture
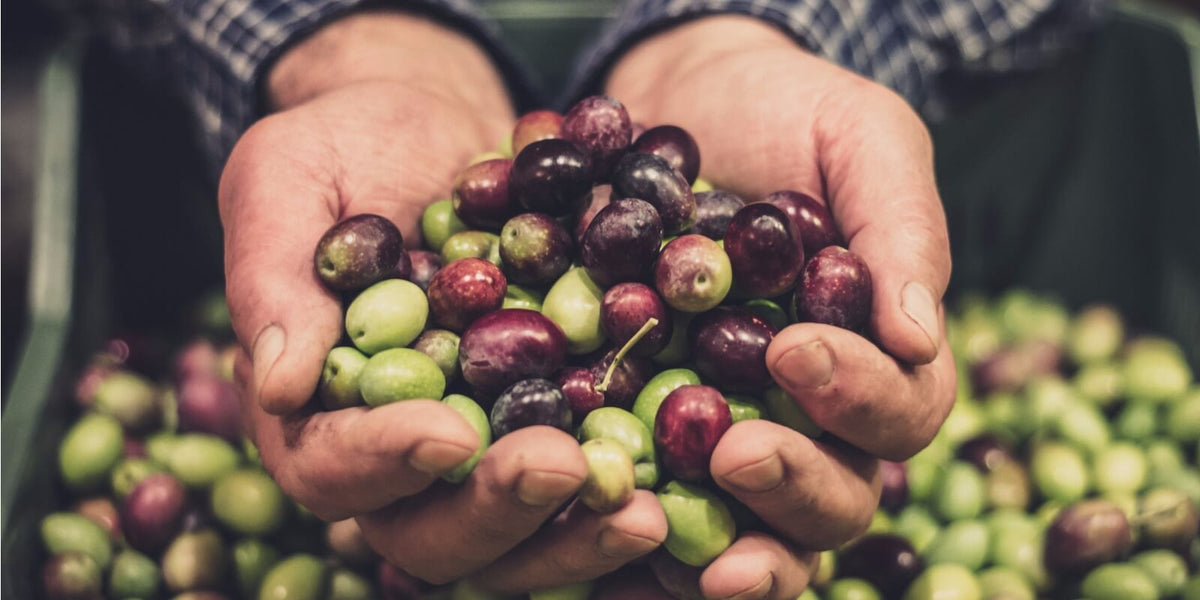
{"x": 365, "y": 120}
{"x": 799, "y": 122}
{"x": 361, "y": 126}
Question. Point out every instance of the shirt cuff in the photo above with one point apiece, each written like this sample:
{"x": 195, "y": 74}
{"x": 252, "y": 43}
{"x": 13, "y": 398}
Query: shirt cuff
{"x": 228, "y": 46}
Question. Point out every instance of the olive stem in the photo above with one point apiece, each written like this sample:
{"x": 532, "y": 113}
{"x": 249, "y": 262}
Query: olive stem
{"x": 637, "y": 337}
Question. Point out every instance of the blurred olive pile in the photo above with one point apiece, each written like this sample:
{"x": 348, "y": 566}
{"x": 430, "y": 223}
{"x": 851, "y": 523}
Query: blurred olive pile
{"x": 1067, "y": 469}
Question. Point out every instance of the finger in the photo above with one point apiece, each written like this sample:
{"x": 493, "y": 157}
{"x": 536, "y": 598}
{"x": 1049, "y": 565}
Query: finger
{"x": 851, "y": 389}
{"x": 447, "y": 532}
{"x": 579, "y": 545}
{"x": 275, "y": 207}
{"x": 877, "y": 158}
{"x": 758, "y": 566}
{"x": 343, "y": 463}
{"x": 816, "y": 495}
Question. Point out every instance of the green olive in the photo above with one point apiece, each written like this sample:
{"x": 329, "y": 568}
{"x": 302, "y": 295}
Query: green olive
{"x": 522, "y": 297}
{"x": 945, "y": 582}
{"x": 610, "y": 480}
{"x": 744, "y": 408}
{"x": 339, "y": 387}
{"x": 1183, "y": 418}
{"x": 133, "y": 575}
{"x": 438, "y": 223}
{"x": 963, "y": 542}
{"x": 1120, "y": 467}
{"x": 960, "y": 492}
{"x": 573, "y": 303}
{"x": 69, "y": 532}
{"x": 195, "y": 560}
{"x": 787, "y": 411}
{"x": 1060, "y": 472}
{"x": 401, "y": 374}
{"x": 1166, "y": 568}
{"x": 89, "y": 451}
{"x": 297, "y": 577}
{"x": 130, "y": 399}
{"x": 389, "y": 314}
{"x": 645, "y": 407}
{"x": 345, "y": 584}
{"x": 478, "y": 420}
{"x": 1084, "y": 426}
{"x": 248, "y": 502}
{"x": 1156, "y": 370}
{"x": 699, "y": 526}
{"x": 1119, "y": 581}
{"x": 198, "y": 460}
{"x": 130, "y": 472}
{"x": 472, "y": 244}
{"x": 852, "y": 589}
{"x": 677, "y": 349}
{"x": 1007, "y": 583}
{"x": 574, "y": 591}
{"x": 252, "y": 558}
{"x": 621, "y": 426}
{"x": 917, "y": 525}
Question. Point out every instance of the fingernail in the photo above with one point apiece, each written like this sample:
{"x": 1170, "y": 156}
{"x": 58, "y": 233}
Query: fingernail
{"x": 615, "y": 543}
{"x": 435, "y": 457}
{"x": 267, "y": 348}
{"x": 805, "y": 367}
{"x": 541, "y": 489}
{"x": 917, "y": 302}
{"x": 762, "y": 476}
{"x": 760, "y": 590}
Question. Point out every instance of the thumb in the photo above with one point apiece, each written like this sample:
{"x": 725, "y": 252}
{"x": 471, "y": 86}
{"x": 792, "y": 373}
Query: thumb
{"x": 879, "y": 169}
{"x": 274, "y": 213}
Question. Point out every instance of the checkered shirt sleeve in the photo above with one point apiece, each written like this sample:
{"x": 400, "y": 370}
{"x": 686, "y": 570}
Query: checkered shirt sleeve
{"x": 906, "y": 45}
{"x": 215, "y": 52}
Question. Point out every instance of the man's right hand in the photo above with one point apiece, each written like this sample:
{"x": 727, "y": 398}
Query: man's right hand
{"x": 376, "y": 113}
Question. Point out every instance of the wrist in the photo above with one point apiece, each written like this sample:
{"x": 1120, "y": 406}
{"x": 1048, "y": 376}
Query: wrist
{"x": 388, "y": 45}
{"x": 689, "y": 48}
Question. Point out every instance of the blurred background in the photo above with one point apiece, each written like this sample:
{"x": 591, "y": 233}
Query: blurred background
{"x": 1082, "y": 180}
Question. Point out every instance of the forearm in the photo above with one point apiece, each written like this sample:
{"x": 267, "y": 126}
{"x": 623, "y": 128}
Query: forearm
{"x": 388, "y": 45}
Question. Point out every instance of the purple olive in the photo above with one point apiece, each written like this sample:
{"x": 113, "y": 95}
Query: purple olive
{"x": 628, "y": 378}
{"x": 680, "y": 580}
{"x": 465, "y": 290}
{"x": 1011, "y": 368}
{"x": 481, "y": 194}
{"x": 536, "y": 126}
{"x": 527, "y": 403}
{"x": 651, "y": 178}
{"x": 534, "y": 249}
{"x": 551, "y": 176}
{"x": 197, "y": 358}
{"x": 626, "y": 308}
{"x": 403, "y": 266}
{"x": 813, "y": 221}
{"x": 714, "y": 211}
{"x": 887, "y": 562}
{"x": 509, "y": 345}
{"x": 72, "y": 576}
{"x": 895, "y": 485}
{"x": 765, "y": 251}
{"x": 622, "y": 242}
{"x": 693, "y": 273}
{"x": 729, "y": 345}
{"x": 601, "y": 126}
{"x": 425, "y": 265}
{"x": 986, "y": 451}
{"x": 600, "y": 197}
{"x": 1085, "y": 535}
{"x": 153, "y": 512}
{"x": 102, "y": 512}
{"x": 835, "y": 289}
{"x": 579, "y": 386}
{"x": 674, "y": 144}
{"x": 357, "y": 252}
{"x": 689, "y": 423}
{"x": 209, "y": 404}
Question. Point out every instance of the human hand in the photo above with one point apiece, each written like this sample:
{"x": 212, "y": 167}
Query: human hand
{"x": 768, "y": 115}
{"x": 367, "y": 119}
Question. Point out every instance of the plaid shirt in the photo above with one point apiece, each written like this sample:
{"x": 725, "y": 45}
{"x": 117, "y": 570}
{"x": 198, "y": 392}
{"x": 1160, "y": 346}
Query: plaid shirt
{"x": 214, "y": 52}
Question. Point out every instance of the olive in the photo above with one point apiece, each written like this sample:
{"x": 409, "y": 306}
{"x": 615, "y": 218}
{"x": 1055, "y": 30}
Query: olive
{"x": 89, "y": 451}
{"x": 248, "y": 502}
{"x": 297, "y": 577}
{"x": 888, "y": 562}
{"x": 72, "y": 576}
{"x": 133, "y": 575}
{"x": 69, "y": 532}
{"x": 1085, "y": 535}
